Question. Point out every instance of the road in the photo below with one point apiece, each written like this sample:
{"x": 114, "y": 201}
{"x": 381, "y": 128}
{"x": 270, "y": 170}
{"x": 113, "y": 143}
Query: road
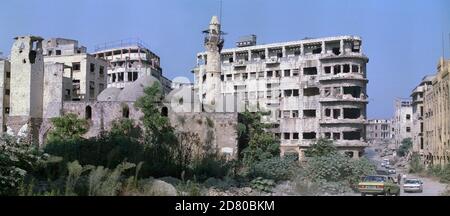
{"x": 431, "y": 187}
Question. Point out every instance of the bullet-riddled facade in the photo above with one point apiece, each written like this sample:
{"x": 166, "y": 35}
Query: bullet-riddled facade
{"x": 310, "y": 88}
{"x": 437, "y": 117}
{"x": 401, "y": 121}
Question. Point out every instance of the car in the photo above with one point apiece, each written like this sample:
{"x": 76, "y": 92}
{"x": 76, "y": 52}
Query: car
{"x": 378, "y": 185}
{"x": 383, "y": 164}
{"x": 412, "y": 185}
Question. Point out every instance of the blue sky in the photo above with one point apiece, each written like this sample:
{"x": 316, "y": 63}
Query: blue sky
{"x": 403, "y": 39}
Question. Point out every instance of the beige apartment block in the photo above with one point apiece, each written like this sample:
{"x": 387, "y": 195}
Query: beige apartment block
{"x": 401, "y": 121}
{"x": 417, "y": 96}
{"x": 310, "y": 88}
{"x": 128, "y": 60}
{"x": 88, "y": 73}
{"x": 437, "y": 117}
{"x": 378, "y": 130}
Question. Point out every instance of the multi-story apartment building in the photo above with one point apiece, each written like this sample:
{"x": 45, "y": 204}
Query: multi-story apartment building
{"x": 5, "y": 76}
{"x": 437, "y": 116}
{"x": 128, "y": 60}
{"x": 417, "y": 96}
{"x": 310, "y": 88}
{"x": 87, "y": 73}
{"x": 378, "y": 130}
{"x": 402, "y": 121}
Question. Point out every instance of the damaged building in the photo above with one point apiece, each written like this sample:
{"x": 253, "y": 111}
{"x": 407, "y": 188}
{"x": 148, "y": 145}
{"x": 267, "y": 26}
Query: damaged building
{"x": 378, "y": 131}
{"x": 311, "y": 88}
{"x": 128, "y": 60}
{"x": 401, "y": 121}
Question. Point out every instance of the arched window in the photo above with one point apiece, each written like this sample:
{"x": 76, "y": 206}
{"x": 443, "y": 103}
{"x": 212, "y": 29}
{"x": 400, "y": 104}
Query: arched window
{"x": 164, "y": 111}
{"x": 125, "y": 111}
{"x": 88, "y": 113}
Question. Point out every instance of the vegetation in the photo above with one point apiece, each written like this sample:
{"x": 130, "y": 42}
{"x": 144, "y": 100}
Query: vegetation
{"x": 404, "y": 148}
{"x": 67, "y": 127}
{"x": 415, "y": 165}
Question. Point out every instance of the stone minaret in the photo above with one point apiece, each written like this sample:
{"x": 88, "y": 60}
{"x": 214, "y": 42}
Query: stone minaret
{"x": 213, "y": 46}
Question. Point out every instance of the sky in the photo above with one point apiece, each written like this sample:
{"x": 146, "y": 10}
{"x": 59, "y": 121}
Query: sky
{"x": 402, "y": 38}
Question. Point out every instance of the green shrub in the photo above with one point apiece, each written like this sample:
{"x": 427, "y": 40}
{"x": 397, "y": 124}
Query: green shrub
{"x": 276, "y": 168}
{"x": 404, "y": 148}
{"x": 210, "y": 166}
{"x": 415, "y": 165}
{"x": 261, "y": 184}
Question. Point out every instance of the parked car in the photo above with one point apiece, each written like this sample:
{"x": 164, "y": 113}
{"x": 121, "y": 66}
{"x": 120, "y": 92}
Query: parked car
{"x": 383, "y": 164}
{"x": 378, "y": 185}
{"x": 413, "y": 185}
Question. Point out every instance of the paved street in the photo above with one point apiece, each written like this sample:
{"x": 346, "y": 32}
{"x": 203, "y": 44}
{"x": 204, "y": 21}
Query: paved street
{"x": 431, "y": 187}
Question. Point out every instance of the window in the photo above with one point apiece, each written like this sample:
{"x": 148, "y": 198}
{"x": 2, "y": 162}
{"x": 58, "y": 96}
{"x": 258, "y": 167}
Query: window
{"x": 269, "y": 73}
{"x": 327, "y": 135}
{"x": 287, "y": 73}
{"x": 353, "y": 113}
{"x": 310, "y": 71}
{"x": 58, "y": 52}
{"x": 346, "y": 68}
{"x": 352, "y": 135}
{"x": 76, "y": 66}
{"x": 336, "y": 113}
{"x": 287, "y": 93}
{"x": 337, "y": 69}
{"x": 295, "y": 92}
{"x": 261, "y": 74}
{"x": 295, "y": 73}
{"x": 310, "y": 135}
{"x": 101, "y": 86}
{"x": 229, "y": 77}
{"x": 101, "y": 71}
{"x": 92, "y": 68}
{"x": 408, "y": 116}
{"x": 88, "y": 112}
{"x": 328, "y": 112}
{"x": 244, "y": 76}
{"x": 336, "y": 136}
{"x": 286, "y": 136}
{"x": 253, "y": 75}
{"x": 7, "y": 92}
{"x": 309, "y": 113}
{"x": 355, "y": 68}
{"x": 294, "y": 113}
{"x": 327, "y": 69}
{"x": 286, "y": 114}
{"x": 295, "y": 136}
{"x": 313, "y": 91}
{"x": 408, "y": 129}
{"x": 8, "y": 74}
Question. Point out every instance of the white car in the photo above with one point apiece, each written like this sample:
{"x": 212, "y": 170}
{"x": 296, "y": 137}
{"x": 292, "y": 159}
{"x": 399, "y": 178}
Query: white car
{"x": 413, "y": 185}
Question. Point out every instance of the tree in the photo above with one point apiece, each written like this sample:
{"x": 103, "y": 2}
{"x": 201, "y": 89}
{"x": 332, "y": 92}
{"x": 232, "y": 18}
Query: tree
{"x": 68, "y": 127}
{"x": 322, "y": 147}
{"x": 255, "y": 143}
{"x": 404, "y": 147}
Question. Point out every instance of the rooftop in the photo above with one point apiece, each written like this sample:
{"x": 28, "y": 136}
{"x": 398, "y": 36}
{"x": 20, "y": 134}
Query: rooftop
{"x": 129, "y": 42}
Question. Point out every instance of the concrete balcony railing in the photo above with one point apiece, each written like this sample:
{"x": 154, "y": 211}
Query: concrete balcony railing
{"x": 272, "y": 60}
{"x": 343, "y": 76}
{"x": 240, "y": 64}
{"x": 347, "y": 98}
{"x": 342, "y": 121}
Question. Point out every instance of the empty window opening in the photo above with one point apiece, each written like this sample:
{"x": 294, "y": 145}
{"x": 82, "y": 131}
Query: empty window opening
{"x": 253, "y": 75}
{"x": 32, "y": 56}
{"x": 310, "y": 135}
{"x": 245, "y": 76}
{"x": 313, "y": 91}
{"x": 164, "y": 111}
{"x": 337, "y": 51}
{"x": 294, "y": 113}
{"x": 408, "y": 129}
{"x": 7, "y": 91}
{"x": 277, "y": 73}
{"x": 76, "y": 66}
{"x": 352, "y": 135}
{"x": 8, "y": 75}
{"x": 327, "y": 135}
{"x": 204, "y": 78}
{"x": 269, "y": 73}
{"x": 286, "y": 136}
{"x": 355, "y": 91}
{"x": 309, "y": 113}
{"x": 355, "y": 68}
{"x": 286, "y": 114}
{"x": 408, "y": 116}
{"x": 113, "y": 77}
{"x": 295, "y": 136}
{"x": 317, "y": 50}
{"x": 125, "y": 111}
{"x": 120, "y": 76}
{"x": 337, "y": 69}
{"x": 287, "y": 73}
{"x": 352, "y": 113}
{"x": 336, "y": 136}
{"x": 295, "y": 92}
{"x": 88, "y": 112}
{"x": 328, "y": 112}
{"x": 229, "y": 77}
{"x": 336, "y": 113}
{"x": 288, "y": 93}
{"x": 310, "y": 71}
{"x": 349, "y": 154}
{"x": 58, "y": 52}
{"x": 92, "y": 68}
{"x": 327, "y": 69}
{"x": 346, "y": 68}
{"x": 295, "y": 73}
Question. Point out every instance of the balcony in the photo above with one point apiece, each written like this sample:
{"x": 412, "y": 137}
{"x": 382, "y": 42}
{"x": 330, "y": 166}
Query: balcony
{"x": 240, "y": 64}
{"x": 345, "y": 76}
{"x": 342, "y": 121}
{"x": 343, "y": 98}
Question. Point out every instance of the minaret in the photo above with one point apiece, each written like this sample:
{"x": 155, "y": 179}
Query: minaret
{"x": 213, "y": 46}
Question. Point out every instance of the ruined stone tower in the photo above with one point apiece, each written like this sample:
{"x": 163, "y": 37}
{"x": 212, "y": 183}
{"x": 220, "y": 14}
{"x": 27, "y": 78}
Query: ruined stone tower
{"x": 211, "y": 77}
{"x": 27, "y": 74}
